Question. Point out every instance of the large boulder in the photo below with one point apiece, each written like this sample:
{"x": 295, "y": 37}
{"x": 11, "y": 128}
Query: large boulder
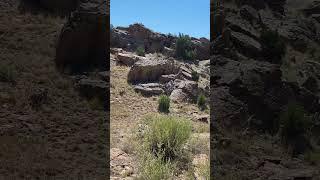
{"x": 178, "y": 96}
{"x": 188, "y": 87}
{"x": 128, "y": 58}
{"x": 150, "y": 70}
{"x": 83, "y": 41}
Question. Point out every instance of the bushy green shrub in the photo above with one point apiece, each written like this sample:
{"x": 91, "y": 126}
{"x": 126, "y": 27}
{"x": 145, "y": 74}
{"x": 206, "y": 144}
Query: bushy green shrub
{"x": 167, "y": 135}
{"x": 164, "y": 104}
{"x": 201, "y": 102}
{"x": 294, "y": 122}
{"x": 154, "y": 168}
{"x": 140, "y": 51}
{"x": 184, "y": 47}
{"x": 195, "y": 76}
{"x": 7, "y": 73}
{"x": 273, "y": 46}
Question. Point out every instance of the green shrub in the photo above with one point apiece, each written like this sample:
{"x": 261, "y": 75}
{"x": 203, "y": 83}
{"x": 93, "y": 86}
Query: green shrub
{"x": 190, "y": 55}
{"x": 184, "y": 47}
{"x": 167, "y": 135}
{"x": 164, "y": 104}
{"x": 195, "y": 76}
{"x": 294, "y": 123}
{"x": 140, "y": 51}
{"x": 155, "y": 168}
{"x": 7, "y": 73}
{"x": 273, "y": 46}
{"x": 201, "y": 102}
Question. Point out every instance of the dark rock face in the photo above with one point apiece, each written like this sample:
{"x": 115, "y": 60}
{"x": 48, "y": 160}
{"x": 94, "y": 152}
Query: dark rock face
{"x": 247, "y": 45}
{"x": 313, "y": 8}
{"x": 249, "y": 94}
{"x": 257, "y": 4}
{"x": 258, "y": 86}
{"x": 226, "y": 109}
{"x": 83, "y": 39}
{"x": 61, "y": 7}
{"x": 275, "y": 5}
{"x": 249, "y": 13}
{"x": 91, "y": 89}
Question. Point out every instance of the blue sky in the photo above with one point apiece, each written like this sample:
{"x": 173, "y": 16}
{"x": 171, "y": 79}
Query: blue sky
{"x": 190, "y": 17}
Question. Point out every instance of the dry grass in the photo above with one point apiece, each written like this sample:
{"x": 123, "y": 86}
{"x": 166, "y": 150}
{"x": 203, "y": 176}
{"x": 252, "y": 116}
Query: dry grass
{"x": 129, "y": 108}
{"x": 70, "y": 130}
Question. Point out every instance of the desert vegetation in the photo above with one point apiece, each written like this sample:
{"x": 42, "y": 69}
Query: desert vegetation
{"x": 140, "y": 51}
{"x": 184, "y": 48}
{"x": 151, "y": 101}
{"x": 164, "y": 104}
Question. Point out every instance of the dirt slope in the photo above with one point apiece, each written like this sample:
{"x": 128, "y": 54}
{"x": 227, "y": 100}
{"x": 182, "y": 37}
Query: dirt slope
{"x": 46, "y": 128}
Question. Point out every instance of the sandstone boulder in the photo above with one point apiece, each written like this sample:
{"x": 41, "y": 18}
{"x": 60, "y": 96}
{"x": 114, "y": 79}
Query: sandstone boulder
{"x": 149, "y": 70}
{"x": 178, "y": 96}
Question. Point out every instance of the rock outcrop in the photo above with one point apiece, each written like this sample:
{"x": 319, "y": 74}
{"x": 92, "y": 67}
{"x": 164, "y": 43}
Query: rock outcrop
{"x": 137, "y": 35}
{"x": 249, "y": 93}
{"x": 83, "y": 40}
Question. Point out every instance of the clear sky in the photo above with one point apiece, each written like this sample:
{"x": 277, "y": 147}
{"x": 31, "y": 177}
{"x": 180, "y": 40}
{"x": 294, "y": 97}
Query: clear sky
{"x": 190, "y": 17}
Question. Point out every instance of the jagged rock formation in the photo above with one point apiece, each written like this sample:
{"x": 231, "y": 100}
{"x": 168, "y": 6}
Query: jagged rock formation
{"x": 136, "y": 35}
{"x": 249, "y": 91}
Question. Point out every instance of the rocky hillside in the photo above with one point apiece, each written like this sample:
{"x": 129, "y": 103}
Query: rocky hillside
{"x": 265, "y": 89}
{"x": 49, "y": 129}
{"x": 144, "y": 65}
